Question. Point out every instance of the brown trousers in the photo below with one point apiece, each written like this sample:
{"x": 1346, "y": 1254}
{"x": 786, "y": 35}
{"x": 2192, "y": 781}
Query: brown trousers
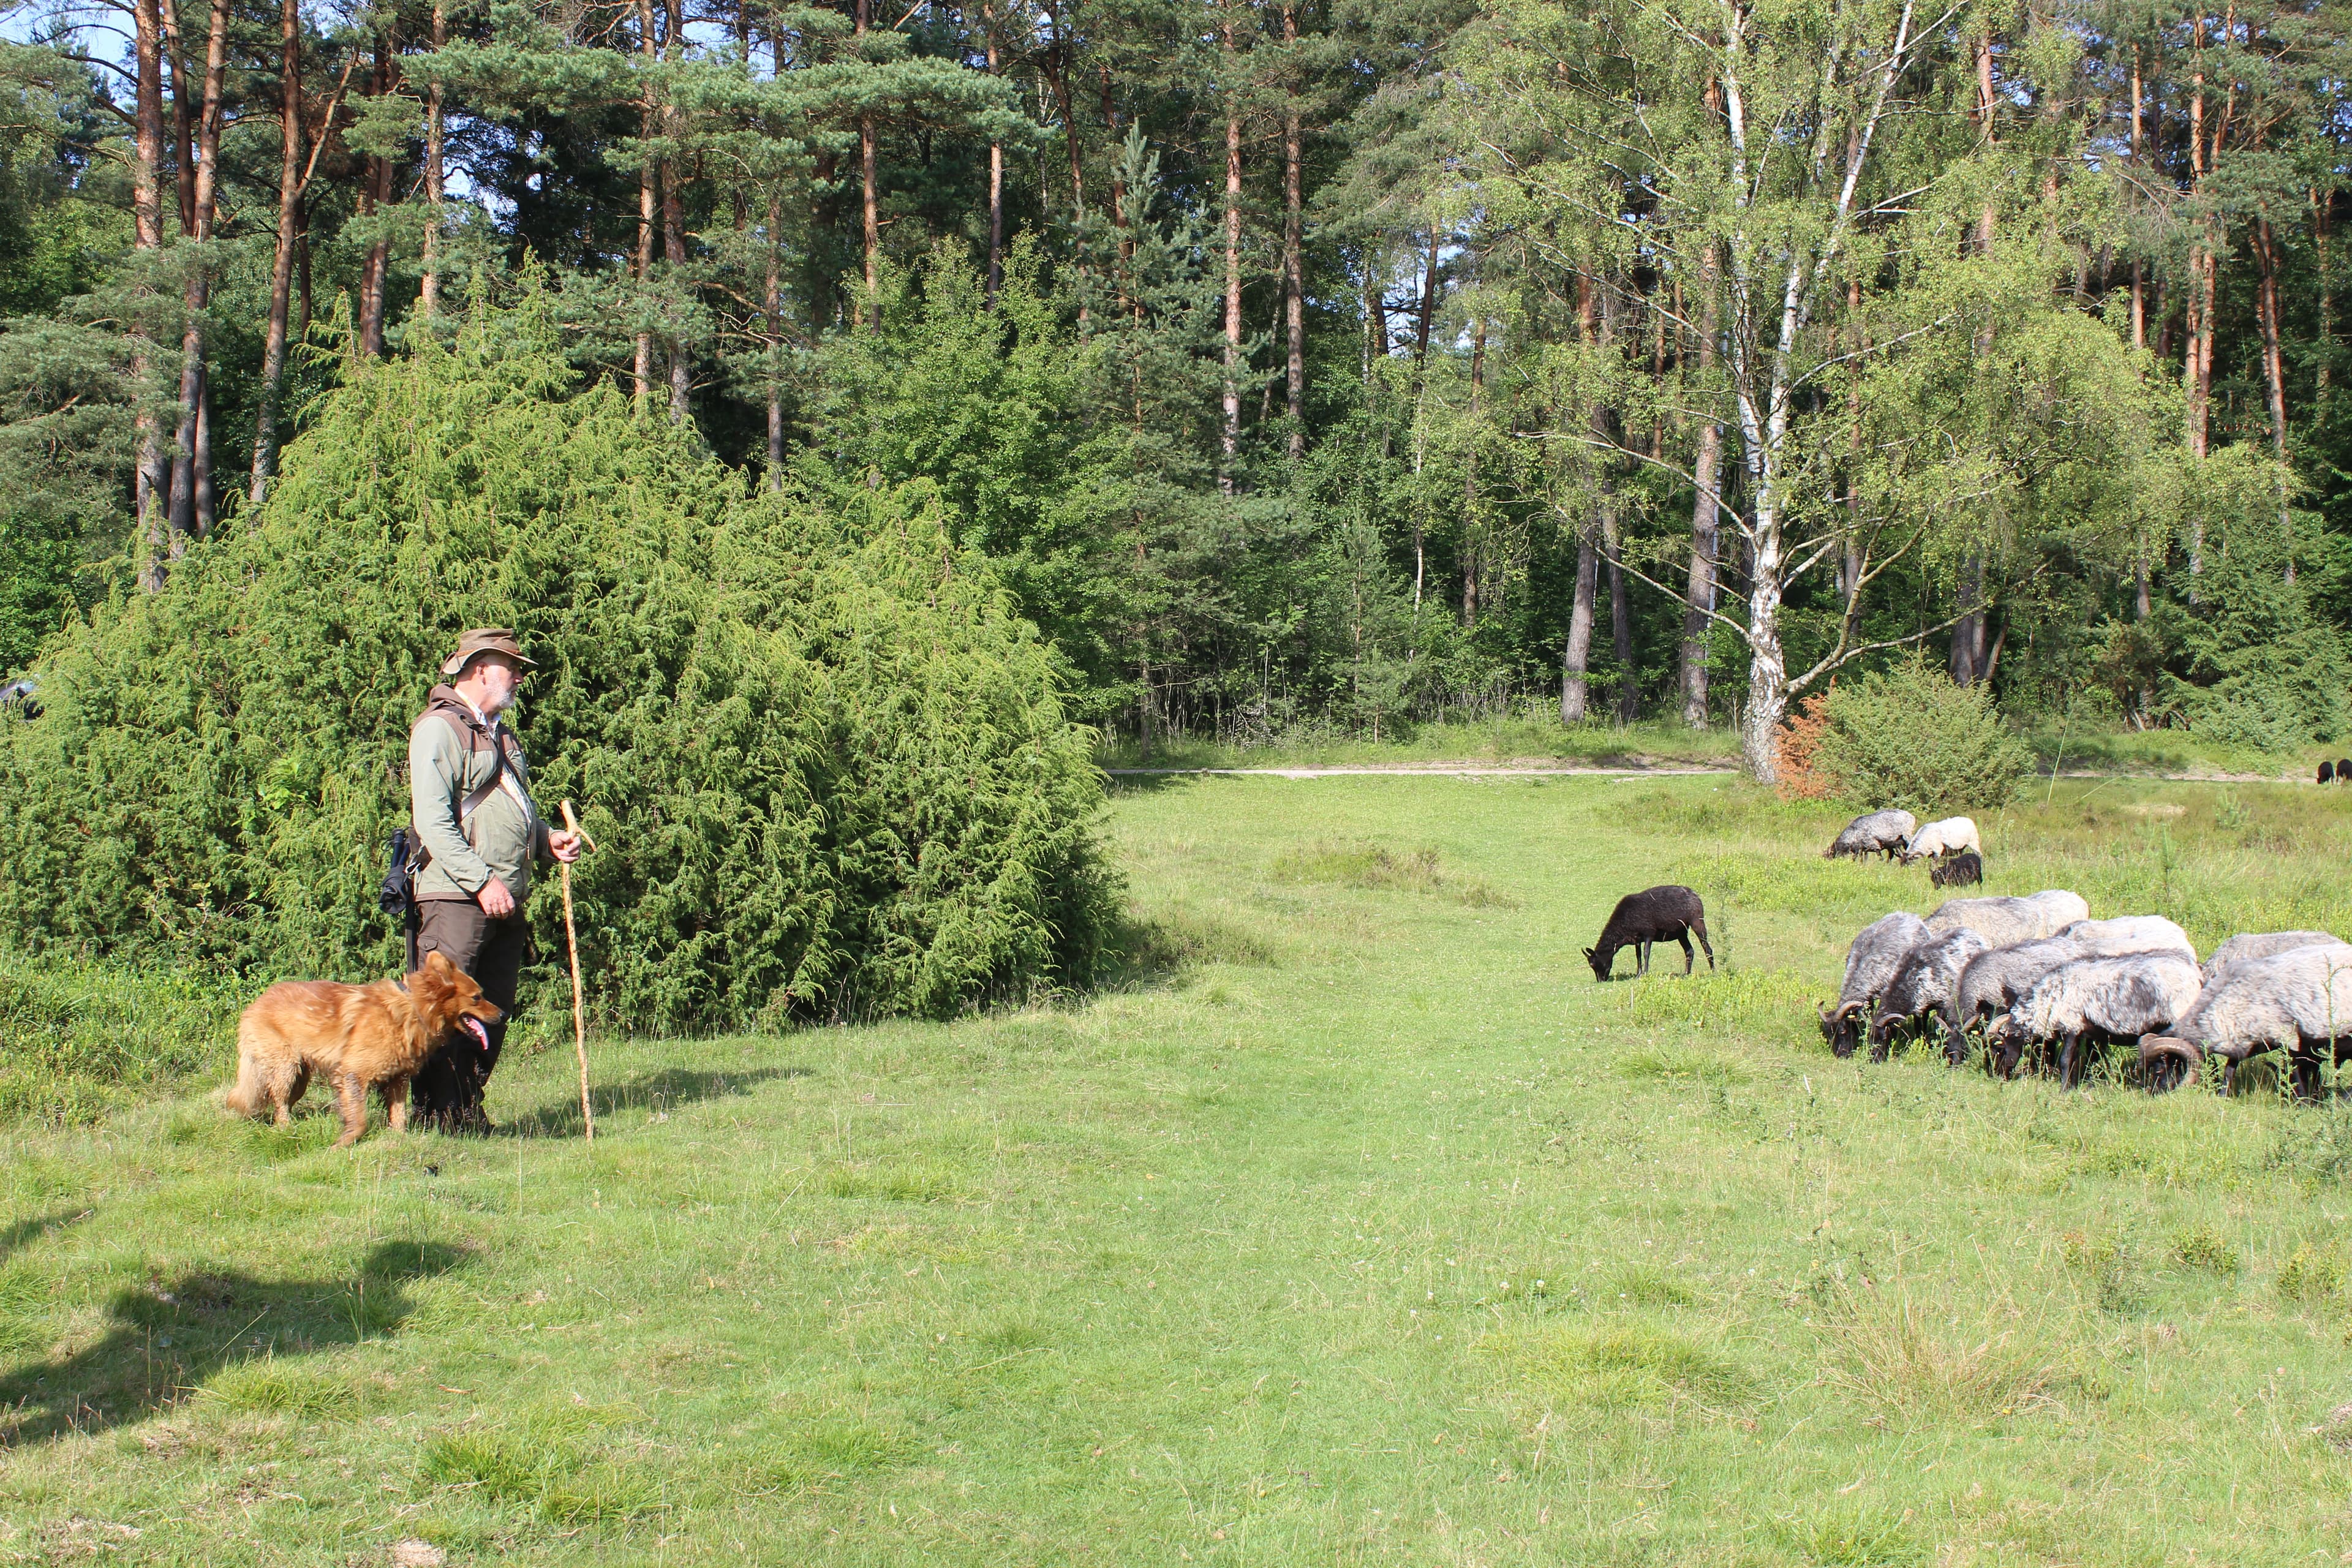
{"x": 448, "y": 1090}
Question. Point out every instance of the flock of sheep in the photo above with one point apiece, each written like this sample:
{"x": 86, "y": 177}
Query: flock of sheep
{"x": 2037, "y": 975}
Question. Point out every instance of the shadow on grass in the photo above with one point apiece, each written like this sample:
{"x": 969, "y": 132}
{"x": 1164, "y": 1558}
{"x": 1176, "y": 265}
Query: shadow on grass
{"x": 169, "y": 1335}
{"x": 15, "y": 1239}
{"x": 645, "y": 1092}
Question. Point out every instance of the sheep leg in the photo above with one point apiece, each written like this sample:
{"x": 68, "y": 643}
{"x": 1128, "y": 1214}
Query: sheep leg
{"x": 2305, "y": 1071}
{"x": 1690, "y": 958}
{"x": 1699, "y": 926}
{"x": 2073, "y": 1059}
{"x": 1640, "y": 958}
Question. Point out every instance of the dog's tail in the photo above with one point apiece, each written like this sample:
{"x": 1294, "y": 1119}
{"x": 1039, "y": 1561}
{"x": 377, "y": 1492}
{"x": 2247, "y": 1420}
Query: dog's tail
{"x": 245, "y": 1096}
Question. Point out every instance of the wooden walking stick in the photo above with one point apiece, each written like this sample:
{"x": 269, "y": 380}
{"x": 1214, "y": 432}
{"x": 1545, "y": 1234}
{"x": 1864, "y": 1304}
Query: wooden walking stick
{"x": 571, "y": 943}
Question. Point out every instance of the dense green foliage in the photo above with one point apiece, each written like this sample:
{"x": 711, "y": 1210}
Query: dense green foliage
{"x": 2081, "y": 322}
{"x": 1907, "y": 736}
{"x": 827, "y": 766}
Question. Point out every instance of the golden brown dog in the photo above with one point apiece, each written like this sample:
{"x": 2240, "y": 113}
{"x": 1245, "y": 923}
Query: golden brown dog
{"x": 358, "y": 1035}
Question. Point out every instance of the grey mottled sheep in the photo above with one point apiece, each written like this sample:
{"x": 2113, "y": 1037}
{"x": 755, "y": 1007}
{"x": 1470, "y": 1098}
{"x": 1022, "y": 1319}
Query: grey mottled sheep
{"x": 1923, "y": 985}
{"x": 2262, "y": 944}
{"x": 2298, "y": 1001}
{"x": 2092, "y": 1000}
{"x": 1878, "y": 833}
{"x": 2004, "y": 922}
{"x": 1994, "y": 981}
{"x": 2130, "y": 934}
{"x": 1870, "y": 966}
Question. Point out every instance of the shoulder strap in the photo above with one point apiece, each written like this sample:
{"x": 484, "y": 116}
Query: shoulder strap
{"x": 476, "y": 738}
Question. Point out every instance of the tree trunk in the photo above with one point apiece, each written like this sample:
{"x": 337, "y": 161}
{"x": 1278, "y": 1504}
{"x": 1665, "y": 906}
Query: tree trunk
{"x": 1706, "y": 515}
{"x": 2322, "y": 202}
{"x": 2266, "y": 316}
{"x": 290, "y": 222}
{"x": 153, "y": 483}
{"x": 1969, "y": 632}
{"x": 183, "y": 118}
{"x": 1293, "y": 263}
{"x": 192, "y": 480}
{"x": 1428, "y": 310}
{"x": 2139, "y": 266}
{"x": 996, "y": 177}
{"x": 1056, "y": 64}
{"x": 1232, "y": 435}
{"x": 648, "y": 175}
{"x": 1620, "y": 617}
{"x": 374, "y": 194}
{"x": 428, "y": 299}
{"x": 1578, "y": 659}
{"x": 868, "y": 180}
{"x": 681, "y": 363}
{"x": 1473, "y": 534}
{"x": 1129, "y": 301}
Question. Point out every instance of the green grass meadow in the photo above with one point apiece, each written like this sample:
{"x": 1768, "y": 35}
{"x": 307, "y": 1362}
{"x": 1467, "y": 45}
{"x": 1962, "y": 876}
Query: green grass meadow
{"x": 1358, "y": 1226}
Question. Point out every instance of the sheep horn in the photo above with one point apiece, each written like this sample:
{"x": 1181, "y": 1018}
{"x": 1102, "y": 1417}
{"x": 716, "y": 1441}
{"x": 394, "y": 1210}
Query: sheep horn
{"x": 2154, "y": 1048}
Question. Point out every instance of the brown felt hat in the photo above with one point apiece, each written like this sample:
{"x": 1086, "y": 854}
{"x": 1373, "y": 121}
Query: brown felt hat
{"x": 482, "y": 640}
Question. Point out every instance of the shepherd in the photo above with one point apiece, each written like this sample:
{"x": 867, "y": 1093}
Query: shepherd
{"x": 474, "y": 835}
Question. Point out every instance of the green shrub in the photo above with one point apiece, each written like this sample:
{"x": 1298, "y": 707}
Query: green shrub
{"x": 827, "y": 766}
{"x": 2202, "y": 1247}
{"x": 1909, "y": 737}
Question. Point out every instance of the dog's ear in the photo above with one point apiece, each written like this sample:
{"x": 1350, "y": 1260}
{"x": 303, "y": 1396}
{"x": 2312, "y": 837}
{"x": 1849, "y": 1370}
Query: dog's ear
{"x": 438, "y": 963}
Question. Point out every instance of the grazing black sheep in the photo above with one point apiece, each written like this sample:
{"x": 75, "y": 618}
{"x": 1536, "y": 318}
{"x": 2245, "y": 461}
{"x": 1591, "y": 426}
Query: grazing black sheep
{"x": 2327, "y": 772}
{"x": 1960, "y": 871}
{"x": 1658, "y": 914}
{"x": 2344, "y": 770}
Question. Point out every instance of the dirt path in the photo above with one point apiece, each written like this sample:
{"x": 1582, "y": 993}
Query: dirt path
{"x": 1515, "y": 771}
{"x": 1425, "y": 770}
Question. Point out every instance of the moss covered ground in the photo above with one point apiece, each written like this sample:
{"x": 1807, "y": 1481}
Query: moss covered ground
{"x": 1358, "y": 1226}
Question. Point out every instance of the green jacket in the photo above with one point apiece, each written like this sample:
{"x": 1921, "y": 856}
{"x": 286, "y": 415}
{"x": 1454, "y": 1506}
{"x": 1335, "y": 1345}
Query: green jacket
{"x": 450, "y": 760}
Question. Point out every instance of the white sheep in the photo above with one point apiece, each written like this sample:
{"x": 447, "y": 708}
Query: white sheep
{"x": 2095, "y": 999}
{"x": 2003, "y": 922}
{"x": 1870, "y": 966}
{"x": 2299, "y": 1002}
{"x": 1947, "y": 836}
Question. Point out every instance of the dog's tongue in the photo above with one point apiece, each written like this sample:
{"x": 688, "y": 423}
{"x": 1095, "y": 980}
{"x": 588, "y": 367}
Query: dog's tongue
{"x": 474, "y": 1027}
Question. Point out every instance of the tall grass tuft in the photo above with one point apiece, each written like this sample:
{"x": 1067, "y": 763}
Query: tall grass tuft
{"x": 1945, "y": 1356}
{"x": 1627, "y": 1362}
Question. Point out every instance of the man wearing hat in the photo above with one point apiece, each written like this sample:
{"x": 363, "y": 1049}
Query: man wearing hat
{"x": 476, "y": 833}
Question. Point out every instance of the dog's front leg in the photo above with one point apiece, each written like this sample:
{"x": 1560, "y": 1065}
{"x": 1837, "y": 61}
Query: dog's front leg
{"x": 351, "y": 1098}
{"x": 395, "y": 1103}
